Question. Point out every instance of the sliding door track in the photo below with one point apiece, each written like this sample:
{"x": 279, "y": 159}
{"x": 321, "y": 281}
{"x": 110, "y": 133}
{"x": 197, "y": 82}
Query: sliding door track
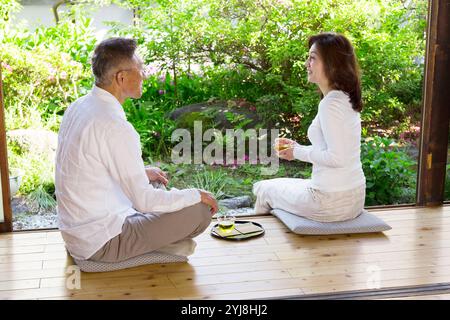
{"x": 393, "y": 292}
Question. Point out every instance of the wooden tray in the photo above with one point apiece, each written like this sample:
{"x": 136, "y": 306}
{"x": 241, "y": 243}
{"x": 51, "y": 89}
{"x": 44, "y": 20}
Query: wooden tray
{"x": 240, "y": 236}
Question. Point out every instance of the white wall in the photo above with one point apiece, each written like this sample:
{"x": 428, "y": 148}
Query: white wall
{"x": 42, "y": 14}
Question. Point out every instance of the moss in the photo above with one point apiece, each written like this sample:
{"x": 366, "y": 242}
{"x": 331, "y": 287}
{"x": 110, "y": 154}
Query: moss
{"x": 187, "y": 120}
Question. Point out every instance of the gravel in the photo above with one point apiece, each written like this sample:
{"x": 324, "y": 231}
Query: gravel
{"x": 25, "y": 219}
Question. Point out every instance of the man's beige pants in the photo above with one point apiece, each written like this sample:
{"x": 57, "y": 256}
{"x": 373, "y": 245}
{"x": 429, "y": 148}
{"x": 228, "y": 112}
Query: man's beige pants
{"x": 143, "y": 233}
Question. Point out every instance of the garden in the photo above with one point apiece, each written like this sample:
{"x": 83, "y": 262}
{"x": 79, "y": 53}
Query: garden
{"x": 235, "y": 64}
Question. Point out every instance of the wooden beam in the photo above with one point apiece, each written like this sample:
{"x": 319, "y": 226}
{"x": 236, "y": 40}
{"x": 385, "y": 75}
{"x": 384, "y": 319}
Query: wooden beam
{"x": 5, "y": 226}
{"x": 436, "y": 106}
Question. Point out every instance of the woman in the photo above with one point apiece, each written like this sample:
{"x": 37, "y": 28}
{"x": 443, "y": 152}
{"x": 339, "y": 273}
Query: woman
{"x": 336, "y": 190}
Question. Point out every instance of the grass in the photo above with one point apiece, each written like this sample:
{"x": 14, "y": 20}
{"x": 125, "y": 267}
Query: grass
{"x": 39, "y": 200}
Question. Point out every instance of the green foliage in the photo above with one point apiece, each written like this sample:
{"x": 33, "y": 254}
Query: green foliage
{"x": 38, "y": 86}
{"x": 43, "y": 72}
{"x": 7, "y": 8}
{"x": 224, "y": 49}
{"x": 38, "y": 170}
{"x": 389, "y": 171}
{"x": 152, "y": 125}
{"x": 212, "y": 181}
{"x": 250, "y": 49}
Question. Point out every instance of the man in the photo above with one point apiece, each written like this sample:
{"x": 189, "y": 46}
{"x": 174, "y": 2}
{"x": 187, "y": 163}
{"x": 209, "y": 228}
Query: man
{"x": 107, "y": 209}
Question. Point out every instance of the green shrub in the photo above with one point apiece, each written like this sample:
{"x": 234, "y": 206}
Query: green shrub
{"x": 38, "y": 86}
{"x": 390, "y": 177}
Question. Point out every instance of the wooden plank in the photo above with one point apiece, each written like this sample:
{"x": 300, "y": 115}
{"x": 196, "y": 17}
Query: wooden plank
{"x": 34, "y": 293}
{"x": 42, "y": 248}
{"x": 16, "y": 250}
{"x": 251, "y": 295}
{"x": 31, "y": 257}
{"x": 19, "y": 284}
{"x": 311, "y": 284}
{"x": 23, "y": 235}
{"x": 193, "y": 279}
{"x": 8, "y": 267}
{"x": 30, "y": 242}
{"x": 92, "y": 285}
{"x": 363, "y": 285}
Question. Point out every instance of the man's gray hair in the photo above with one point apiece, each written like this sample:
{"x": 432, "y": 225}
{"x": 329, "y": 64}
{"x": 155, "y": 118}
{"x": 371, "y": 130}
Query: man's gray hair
{"x": 110, "y": 54}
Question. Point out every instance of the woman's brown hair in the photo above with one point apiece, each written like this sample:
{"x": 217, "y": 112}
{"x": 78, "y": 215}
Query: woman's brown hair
{"x": 340, "y": 65}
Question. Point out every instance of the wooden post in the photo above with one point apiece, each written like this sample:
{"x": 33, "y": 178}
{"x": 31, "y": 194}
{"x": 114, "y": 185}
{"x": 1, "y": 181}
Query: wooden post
{"x": 6, "y": 225}
{"x": 436, "y": 106}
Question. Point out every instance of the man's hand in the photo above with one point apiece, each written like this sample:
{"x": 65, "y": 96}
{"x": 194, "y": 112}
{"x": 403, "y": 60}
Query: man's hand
{"x": 208, "y": 199}
{"x": 156, "y": 174}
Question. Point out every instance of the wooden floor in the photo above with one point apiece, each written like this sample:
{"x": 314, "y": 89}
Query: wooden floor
{"x": 416, "y": 251}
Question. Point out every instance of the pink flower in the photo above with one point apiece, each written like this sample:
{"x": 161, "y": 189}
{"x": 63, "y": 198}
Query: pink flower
{"x": 150, "y": 70}
{"x": 7, "y": 67}
{"x": 51, "y": 70}
{"x": 161, "y": 91}
{"x": 295, "y": 119}
{"x": 63, "y": 75}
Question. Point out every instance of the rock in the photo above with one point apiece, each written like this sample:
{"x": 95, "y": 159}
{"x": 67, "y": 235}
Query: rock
{"x": 237, "y": 202}
{"x": 214, "y": 114}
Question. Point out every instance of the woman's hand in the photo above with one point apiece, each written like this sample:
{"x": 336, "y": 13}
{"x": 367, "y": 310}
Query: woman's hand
{"x": 156, "y": 174}
{"x": 285, "y": 148}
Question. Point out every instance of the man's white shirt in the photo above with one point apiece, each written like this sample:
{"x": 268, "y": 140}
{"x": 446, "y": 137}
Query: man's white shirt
{"x": 100, "y": 176}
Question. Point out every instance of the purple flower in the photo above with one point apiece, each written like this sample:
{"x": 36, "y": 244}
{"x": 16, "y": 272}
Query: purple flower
{"x": 161, "y": 91}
